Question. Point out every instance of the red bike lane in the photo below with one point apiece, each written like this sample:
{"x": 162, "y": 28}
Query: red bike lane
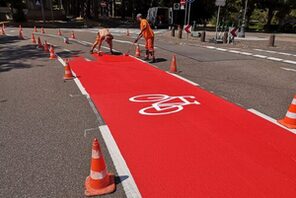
{"x": 179, "y": 140}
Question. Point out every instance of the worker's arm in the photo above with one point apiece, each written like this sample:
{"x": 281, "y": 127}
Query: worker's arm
{"x": 140, "y": 35}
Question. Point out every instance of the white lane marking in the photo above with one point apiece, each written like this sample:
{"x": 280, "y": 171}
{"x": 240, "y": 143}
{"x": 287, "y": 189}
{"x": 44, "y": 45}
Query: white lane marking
{"x": 246, "y": 53}
{"x": 274, "y": 59}
{"x": 289, "y": 61}
{"x": 210, "y": 47}
{"x": 87, "y": 59}
{"x": 259, "y": 56}
{"x": 288, "y": 69}
{"x": 76, "y": 80}
{"x": 234, "y": 51}
{"x": 270, "y": 119}
{"x": 275, "y": 52}
{"x": 184, "y": 79}
{"x": 221, "y": 49}
{"x": 67, "y": 50}
{"x": 128, "y": 42}
{"x": 129, "y": 184}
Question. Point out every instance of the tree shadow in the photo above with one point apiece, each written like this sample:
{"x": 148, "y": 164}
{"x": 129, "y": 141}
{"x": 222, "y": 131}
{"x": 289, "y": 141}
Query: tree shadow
{"x": 15, "y": 55}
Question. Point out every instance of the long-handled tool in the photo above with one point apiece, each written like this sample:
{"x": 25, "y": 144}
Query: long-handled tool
{"x": 129, "y": 49}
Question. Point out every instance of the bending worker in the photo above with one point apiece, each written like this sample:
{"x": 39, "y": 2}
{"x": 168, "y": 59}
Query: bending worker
{"x": 103, "y": 34}
{"x": 148, "y": 34}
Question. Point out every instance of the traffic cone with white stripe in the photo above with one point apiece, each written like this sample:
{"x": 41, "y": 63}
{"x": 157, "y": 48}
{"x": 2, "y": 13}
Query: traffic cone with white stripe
{"x": 59, "y": 33}
{"x": 66, "y": 40}
{"x": 68, "y": 73}
{"x": 100, "y": 181}
{"x": 39, "y": 43}
{"x": 35, "y": 29}
{"x": 20, "y": 28}
{"x": 33, "y": 38}
{"x": 173, "y": 67}
{"x": 51, "y": 53}
{"x": 45, "y": 46}
{"x": 290, "y": 119}
{"x": 73, "y": 35}
{"x": 138, "y": 51}
{"x": 42, "y": 30}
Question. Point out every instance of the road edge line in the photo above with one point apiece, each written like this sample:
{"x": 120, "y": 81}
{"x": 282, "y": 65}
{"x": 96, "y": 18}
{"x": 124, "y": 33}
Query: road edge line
{"x": 129, "y": 185}
{"x": 270, "y": 119}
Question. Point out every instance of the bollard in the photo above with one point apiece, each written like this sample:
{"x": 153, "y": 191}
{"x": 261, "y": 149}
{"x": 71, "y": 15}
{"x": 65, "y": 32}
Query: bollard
{"x": 173, "y": 31}
{"x": 203, "y": 36}
{"x": 225, "y": 37}
{"x": 180, "y": 29}
{"x": 271, "y": 40}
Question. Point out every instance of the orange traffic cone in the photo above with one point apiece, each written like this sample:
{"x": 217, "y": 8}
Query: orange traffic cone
{"x": 99, "y": 181}
{"x": 138, "y": 52}
{"x": 51, "y": 53}
{"x": 33, "y": 38}
{"x": 42, "y": 30}
{"x": 39, "y": 43}
{"x": 290, "y": 118}
{"x": 68, "y": 73}
{"x": 20, "y": 28}
{"x": 45, "y": 47}
{"x": 35, "y": 29}
{"x": 3, "y": 30}
{"x": 127, "y": 32}
{"x": 21, "y": 36}
{"x": 73, "y": 35}
{"x": 173, "y": 67}
{"x": 59, "y": 33}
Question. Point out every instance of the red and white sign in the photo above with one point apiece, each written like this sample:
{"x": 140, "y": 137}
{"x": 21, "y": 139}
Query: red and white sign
{"x": 187, "y": 28}
{"x": 182, "y": 2}
{"x": 233, "y": 32}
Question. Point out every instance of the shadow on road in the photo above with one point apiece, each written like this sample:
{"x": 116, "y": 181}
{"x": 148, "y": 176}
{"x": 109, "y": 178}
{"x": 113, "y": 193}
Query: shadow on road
{"x": 14, "y": 55}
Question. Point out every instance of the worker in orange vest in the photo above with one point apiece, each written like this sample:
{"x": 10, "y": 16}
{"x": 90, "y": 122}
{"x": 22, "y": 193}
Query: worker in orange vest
{"x": 103, "y": 35}
{"x": 148, "y": 34}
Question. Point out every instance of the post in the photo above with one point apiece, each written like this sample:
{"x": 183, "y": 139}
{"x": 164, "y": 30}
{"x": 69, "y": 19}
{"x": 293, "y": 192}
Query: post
{"x": 225, "y": 37}
{"x": 203, "y": 36}
{"x": 272, "y": 40}
{"x": 173, "y": 31}
{"x": 185, "y": 18}
{"x": 180, "y": 29}
{"x": 189, "y": 13}
{"x": 42, "y": 11}
{"x": 242, "y": 30}
{"x": 217, "y": 23}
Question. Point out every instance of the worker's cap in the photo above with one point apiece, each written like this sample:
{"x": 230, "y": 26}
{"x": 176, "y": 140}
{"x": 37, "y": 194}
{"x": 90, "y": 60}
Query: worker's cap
{"x": 139, "y": 15}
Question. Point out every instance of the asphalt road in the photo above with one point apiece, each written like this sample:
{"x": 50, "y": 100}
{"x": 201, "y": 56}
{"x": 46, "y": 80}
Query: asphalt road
{"x": 248, "y": 81}
{"x": 40, "y": 121}
{"x": 45, "y": 151}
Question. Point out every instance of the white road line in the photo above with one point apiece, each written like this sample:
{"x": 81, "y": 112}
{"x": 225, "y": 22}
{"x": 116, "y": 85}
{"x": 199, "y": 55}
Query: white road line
{"x": 289, "y": 61}
{"x": 130, "y": 188}
{"x": 210, "y": 47}
{"x": 129, "y": 184}
{"x": 184, "y": 79}
{"x": 234, "y": 51}
{"x": 288, "y": 69}
{"x": 275, "y": 52}
{"x": 270, "y": 119}
{"x": 67, "y": 50}
{"x": 274, "y": 59}
{"x": 221, "y": 49}
{"x": 246, "y": 53}
{"x": 259, "y": 56}
{"x": 87, "y": 59}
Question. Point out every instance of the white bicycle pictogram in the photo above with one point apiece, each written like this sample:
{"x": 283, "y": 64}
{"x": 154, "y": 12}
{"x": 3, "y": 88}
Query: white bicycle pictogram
{"x": 163, "y": 104}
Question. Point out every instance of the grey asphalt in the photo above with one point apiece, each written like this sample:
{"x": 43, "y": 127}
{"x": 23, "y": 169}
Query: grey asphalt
{"x": 246, "y": 81}
{"x": 249, "y": 82}
{"x": 44, "y": 152}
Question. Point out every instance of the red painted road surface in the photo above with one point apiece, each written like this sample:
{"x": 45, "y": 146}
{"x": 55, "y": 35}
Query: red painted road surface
{"x": 198, "y": 145}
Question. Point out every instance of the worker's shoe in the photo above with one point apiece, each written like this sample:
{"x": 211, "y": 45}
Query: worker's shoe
{"x": 91, "y": 51}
